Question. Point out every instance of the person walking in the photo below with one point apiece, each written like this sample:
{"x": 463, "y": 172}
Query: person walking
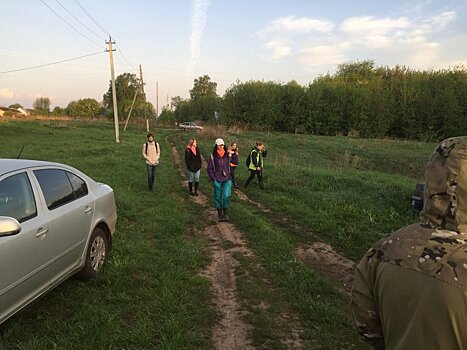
{"x": 410, "y": 289}
{"x": 233, "y": 162}
{"x": 151, "y": 153}
{"x": 193, "y": 165}
{"x": 255, "y": 165}
{"x": 219, "y": 173}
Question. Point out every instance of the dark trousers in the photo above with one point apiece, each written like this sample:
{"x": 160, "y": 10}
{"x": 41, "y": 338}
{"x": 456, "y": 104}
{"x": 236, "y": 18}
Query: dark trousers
{"x": 259, "y": 173}
{"x": 151, "y": 175}
{"x": 232, "y": 174}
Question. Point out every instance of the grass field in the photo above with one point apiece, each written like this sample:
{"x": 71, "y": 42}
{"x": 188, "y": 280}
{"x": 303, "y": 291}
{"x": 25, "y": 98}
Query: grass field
{"x": 347, "y": 192}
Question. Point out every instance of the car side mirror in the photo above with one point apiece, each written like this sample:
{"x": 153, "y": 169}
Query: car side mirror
{"x": 9, "y": 226}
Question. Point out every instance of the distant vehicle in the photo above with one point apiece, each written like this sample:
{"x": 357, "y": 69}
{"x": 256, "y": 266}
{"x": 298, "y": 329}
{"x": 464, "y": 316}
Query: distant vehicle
{"x": 54, "y": 222}
{"x": 189, "y": 126}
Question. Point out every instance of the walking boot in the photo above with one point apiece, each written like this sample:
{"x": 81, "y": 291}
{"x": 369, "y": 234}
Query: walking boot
{"x": 226, "y": 216}
{"x": 190, "y": 186}
{"x": 220, "y": 215}
{"x": 196, "y": 188}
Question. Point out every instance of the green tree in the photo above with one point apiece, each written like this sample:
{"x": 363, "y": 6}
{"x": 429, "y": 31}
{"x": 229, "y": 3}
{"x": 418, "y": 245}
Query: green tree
{"x": 58, "y": 111}
{"x": 15, "y": 105}
{"x": 42, "y": 106}
{"x": 203, "y": 87}
{"x": 126, "y": 86}
{"x": 85, "y": 108}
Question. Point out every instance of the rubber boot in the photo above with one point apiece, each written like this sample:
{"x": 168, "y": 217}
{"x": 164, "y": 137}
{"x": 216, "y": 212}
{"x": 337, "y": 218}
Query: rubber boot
{"x": 196, "y": 188}
{"x": 190, "y": 186}
{"x": 226, "y": 216}
{"x": 220, "y": 215}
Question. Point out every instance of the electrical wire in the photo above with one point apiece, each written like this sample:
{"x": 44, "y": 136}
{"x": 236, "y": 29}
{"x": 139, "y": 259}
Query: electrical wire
{"x": 84, "y": 25}
{"x": 64, "y": 20}
{"x": 52, "y": 63}
{"x": 124, "y": 57}
{"x": 106, "y": 32}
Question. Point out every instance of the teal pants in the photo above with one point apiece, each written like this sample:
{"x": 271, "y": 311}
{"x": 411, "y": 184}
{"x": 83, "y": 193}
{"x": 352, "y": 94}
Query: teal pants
{"x": 222, "y": 193}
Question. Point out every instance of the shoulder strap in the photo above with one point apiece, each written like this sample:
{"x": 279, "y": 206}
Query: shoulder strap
{"x": 146, "y": 148}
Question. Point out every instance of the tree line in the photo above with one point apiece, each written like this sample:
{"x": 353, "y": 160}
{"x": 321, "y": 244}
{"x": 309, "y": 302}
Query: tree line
{"x": 359, "y": 100}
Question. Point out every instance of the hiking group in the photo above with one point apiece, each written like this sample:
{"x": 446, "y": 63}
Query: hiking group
{"x": 221, "y": 169}
{"x": 413, "y": 281}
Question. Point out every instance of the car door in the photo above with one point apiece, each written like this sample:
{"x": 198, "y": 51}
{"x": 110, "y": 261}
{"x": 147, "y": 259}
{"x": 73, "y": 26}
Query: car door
{"x": 25, "y": 258}
{"x": 69, "y": 208}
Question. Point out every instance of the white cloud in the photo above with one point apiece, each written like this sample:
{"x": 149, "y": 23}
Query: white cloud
{"x": 198, "y": 23}
{"x": 372, "y": 26}
{"x": 278, "y": 50}
{"x": 6, "y": 93}
{"x": 301, "y": 24}
{"x": 409, "y": 41}
{"x": 312, "y": 57}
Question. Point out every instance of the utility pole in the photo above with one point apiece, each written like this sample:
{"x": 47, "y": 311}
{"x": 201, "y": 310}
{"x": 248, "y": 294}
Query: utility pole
{"x": 114, "y": 92}
{"x": 167, "y": 102}
{"x": 144, "y": 97}
{"x": 157, "y": 101}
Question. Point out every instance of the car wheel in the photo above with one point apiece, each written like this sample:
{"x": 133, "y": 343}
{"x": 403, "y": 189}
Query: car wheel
{"x": 96, "y": 254}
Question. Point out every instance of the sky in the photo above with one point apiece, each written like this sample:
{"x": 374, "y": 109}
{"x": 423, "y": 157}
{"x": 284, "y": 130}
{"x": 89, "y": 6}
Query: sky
{"x": 177, "y": 41}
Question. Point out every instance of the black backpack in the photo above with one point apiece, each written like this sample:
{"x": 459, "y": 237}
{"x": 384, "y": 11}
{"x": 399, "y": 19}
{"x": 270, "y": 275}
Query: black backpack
{"x": 157, "y": 149}
{"x": 248, "y": 160}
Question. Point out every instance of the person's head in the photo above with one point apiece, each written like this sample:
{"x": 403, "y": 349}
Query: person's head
{"x": 446, "y": 186}
{"x": 233, "y": 145}
{"x": 260, "y": 146}
{"x": 192, "y": 142}
{"x": 150, "y": 137}
{"x": 219, "y": 143}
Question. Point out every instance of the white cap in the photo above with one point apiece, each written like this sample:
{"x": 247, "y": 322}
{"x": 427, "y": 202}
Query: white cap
{"x": 219, "y": 142}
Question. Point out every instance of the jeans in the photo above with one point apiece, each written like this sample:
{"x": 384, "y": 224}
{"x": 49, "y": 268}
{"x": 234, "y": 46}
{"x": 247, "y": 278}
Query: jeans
{"x": 151, "y": 175}
{"x": 222, "y": 193}
{"x": 193, "y": 176}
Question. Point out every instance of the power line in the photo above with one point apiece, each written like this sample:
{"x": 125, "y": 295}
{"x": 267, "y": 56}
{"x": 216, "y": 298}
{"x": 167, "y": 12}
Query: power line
{"x": 64, "y": 20}
{"x": 49, "y": 64}
{"x": 106, "y": 32}
{"x": 84, "y": 25}
{"x": 124, "y": 57}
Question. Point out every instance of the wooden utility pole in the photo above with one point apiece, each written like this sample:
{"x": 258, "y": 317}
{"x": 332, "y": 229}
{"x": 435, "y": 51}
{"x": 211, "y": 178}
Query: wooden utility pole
{"x": 144, "y": 97}
{"x": 167, "y": 102}
{"x": 114, "y": 92}
{"x": 157, "y": 99}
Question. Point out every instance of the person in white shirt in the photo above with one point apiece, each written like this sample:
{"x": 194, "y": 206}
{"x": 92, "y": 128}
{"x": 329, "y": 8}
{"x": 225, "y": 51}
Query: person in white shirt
{"x": 152, "y": 153}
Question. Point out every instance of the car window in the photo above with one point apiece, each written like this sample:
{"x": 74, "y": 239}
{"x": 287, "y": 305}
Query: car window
{"x": 79, "y": 186}
{"x": 16, "y": 198}
{"x": 55, "y": 186}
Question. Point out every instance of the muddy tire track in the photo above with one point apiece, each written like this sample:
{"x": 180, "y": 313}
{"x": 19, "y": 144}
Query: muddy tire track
{"x": 319, "y": 255}
{"x": 231, "y": 331}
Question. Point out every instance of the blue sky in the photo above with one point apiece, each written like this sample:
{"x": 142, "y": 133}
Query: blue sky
{"x": 176, "y": 41}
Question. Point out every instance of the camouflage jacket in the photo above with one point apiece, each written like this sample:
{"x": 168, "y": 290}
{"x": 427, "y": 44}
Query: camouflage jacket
{"x": 410, "y": 289}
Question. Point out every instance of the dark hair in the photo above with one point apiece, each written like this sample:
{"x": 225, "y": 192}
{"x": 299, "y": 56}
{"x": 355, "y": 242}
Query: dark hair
{"x": 150, "y": 134}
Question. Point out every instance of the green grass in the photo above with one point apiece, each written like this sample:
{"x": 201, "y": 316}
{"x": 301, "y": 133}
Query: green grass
{"x": 149, "y": 294}
{"x": 347, "y": 192}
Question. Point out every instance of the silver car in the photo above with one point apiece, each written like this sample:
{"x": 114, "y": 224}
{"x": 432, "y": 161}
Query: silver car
{"x": 190, "y": 126}
{"x": 54, "y": 222}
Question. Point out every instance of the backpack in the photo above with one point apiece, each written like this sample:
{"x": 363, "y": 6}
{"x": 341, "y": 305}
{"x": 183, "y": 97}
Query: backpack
{"x": 157, "y": 150}
{"x": 248, "y": 160}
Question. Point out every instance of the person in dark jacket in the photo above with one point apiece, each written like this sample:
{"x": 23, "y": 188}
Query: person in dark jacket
{"x": 219, "y": 173}
{"x": 256, "y": 164}
{"x": 233, "y": 162}
{"x": 193, "y": 165}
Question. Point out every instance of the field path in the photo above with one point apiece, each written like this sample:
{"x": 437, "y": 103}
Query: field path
{"x": 319, "y": 255}
{"x": 231, "y": 332}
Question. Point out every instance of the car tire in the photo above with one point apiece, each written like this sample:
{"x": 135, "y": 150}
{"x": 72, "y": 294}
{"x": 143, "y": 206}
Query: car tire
{"x": 96, "y": 254}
